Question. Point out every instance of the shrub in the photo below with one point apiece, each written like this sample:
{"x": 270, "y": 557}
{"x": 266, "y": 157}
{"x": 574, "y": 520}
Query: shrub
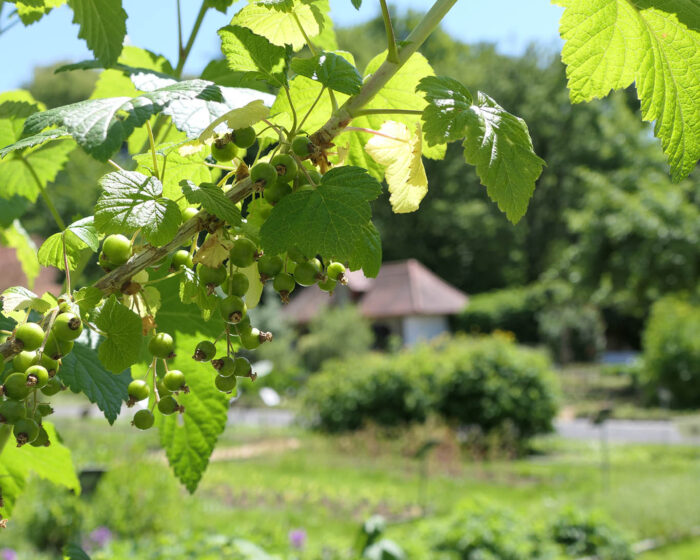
{"x": 487, "y": 382}
{"x": 672, "y": 352}
{"x": 588, "y": 534}
{"x": 572, "y": 333}
{"x": 496, "y": 385}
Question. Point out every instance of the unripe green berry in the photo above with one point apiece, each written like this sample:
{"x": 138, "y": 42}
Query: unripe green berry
{"x": 188, "y": 213}
{"x": 335, "y": 271}
{"x": 269, "y": 266}
{"x": 143, "y": 419}
{"x": 225, "y": 384}
{"x": 31, "y": 335}
{"x": 243, "y": 253}
{"x": 223, "y": 153}
{"x": 309, "y": 272}
{"x": 12, "y": 411}
{"x": 224, "y": 365}
{"x": 15, "y": 386}
{"x": 204, "y": 351}
{"x": 233, "y": 309}
{"x": 116, "y": 249}
{"x": 244, "y": 137}
{"x": 181, "y": 258}
{"x": 242, "y": 366}
{"x": 37, "y": 376}
{"x": 263, "y": 174}
{"x": 42, "y": 438}
{"x": 67, "y": 326}
{"x": 301, "y": 146}
{"x": 57, "y": 349}
{"x": 24, "y": 360}
{"x": 211, "y": 276}
{"x": 138, "y": 390}
{"x": 162, "y": 346}
{"x": 44, "y": 409}
{"x": 286, "y": 166}
{"x": 238, "y": 284}
{"x": 168, "y": 405}
{"x": 26, "y": 431}
{"x": 174, "y": 380}
{"x": 52, "y": 387}
{"x": 328, "y": 285}
{"x": 276, "y": 191}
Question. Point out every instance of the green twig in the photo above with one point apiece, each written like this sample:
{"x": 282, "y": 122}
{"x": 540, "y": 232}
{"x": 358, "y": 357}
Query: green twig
{"x": 364, "y": 112}
{"x": 393, "y": 53}
{"x": 185, "y": 52}
{"x": 152, "y": 142}
{"x": 303, "y": 32}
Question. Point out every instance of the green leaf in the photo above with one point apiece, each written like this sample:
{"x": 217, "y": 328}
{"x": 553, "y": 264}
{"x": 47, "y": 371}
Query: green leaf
{"x": 82, "y": 372}
{"x": 282, "y": 27}
{"x": 611, "y": 43}
{"x": 217, "y": 71}
{"x": 102, "y": 26}
{"x": 447, "y": 115}
{"x": 122, "y": 328}
{"x": 499, "y": 145}
{"x": 213, "y": 200}
{"x": 87, "y": 298}
{"x": 240, "y": 117}
{"x": 52, "y": 463}
{"x": 35, "y": 140}
{"x": 254, "y": 55}
{"x": 74, "y": 552}
{"x": 331, "y": 70}
{"x": 189, "y": 439}
{"x": 220, "y": 5}
{"x": 80, "y": 235}
{"x": 333, "y": 221}
{"x": 133, "y": 201}
{"x": 357, "y": 4}
{"x": 100, "y": 126}
{"x": 16, "y": 236}
{"x": 18, "y": 298}
{"x": 30, "y": 11}
{"x": 177, "y": 317}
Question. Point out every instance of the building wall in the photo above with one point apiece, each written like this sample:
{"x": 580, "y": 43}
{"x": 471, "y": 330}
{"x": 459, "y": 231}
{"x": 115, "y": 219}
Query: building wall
{"x": 420, "y": 327}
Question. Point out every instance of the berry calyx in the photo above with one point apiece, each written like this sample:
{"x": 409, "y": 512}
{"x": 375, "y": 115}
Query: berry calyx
{"x": 204, "y": 351}
{"x": 24, "y": 360}
{"x": 225, "y": 366}
{"x": 67, "y": 326}
{"x": 116, "y": 249}
{"x": 15, "y": 386}
{"x": 263, "y": 174}
{"x": 285, "y": 165}
{"x": 284, "y": 285}
{"x": 301, "y": 146}
{"x": 269, "y": 266}
{"x": 244, "y": 252}
{"x": 238, "y": 284}
{"x": 26, "y": 431}
{"x": 168, "y": 405}
{"x": 309, "y": 272}
{"x": 244, "y": 137}
{"x": 174, "y": 380}
{"x": 162, "y": 346}
{"x": 225, "y": 384}
{"x": 233, "y": 309}
{"x": 30, "y": 335}
{"x": 181, "y": 258}
{"x": 143, "y": 419}
{"x": 138, "y": 390}
{"x": 223, "y": 153}
{"x": 211, "y": 276}
{"x": 37, "y": 377}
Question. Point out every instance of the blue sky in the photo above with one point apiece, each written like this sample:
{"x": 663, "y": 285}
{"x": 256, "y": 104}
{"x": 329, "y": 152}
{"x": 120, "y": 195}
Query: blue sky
{"x": 511, "y": 24}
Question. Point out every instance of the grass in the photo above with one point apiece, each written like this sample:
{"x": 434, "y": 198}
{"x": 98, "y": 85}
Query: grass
{"x": 328, "y": 486}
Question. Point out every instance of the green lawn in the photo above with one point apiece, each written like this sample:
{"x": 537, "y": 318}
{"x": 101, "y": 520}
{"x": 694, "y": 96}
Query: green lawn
{"x": 328, "y": 486}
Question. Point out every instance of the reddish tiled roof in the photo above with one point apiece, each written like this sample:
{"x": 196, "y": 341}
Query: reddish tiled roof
{"x": 11, "y": 275}
{"x": 401, "y": 289}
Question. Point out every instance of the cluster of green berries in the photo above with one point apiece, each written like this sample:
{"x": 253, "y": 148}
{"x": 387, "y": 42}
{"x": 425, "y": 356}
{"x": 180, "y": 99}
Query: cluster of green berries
{"x": 34, "y": 372}
{"x": 233, "y": 145}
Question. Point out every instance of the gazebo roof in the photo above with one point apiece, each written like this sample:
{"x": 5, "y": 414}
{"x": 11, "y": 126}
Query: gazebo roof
{"x": 401, "y": 289}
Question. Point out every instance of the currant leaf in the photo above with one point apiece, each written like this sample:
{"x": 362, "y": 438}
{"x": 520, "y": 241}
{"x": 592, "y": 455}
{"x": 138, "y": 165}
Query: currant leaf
{"x": 332, "y": 220}
{"x": 18, "y": 298}
{"x": 447, "y": 115}
{"x": 213, "y": 200}
{"x": 102, "y": 25}
{"x": 30, "y": 11}
{"x": 611, "y": 43}
{"x": 189, "y": 439}
{"x": 331, "y": 70}
{"x": 121, "y": 327}
{"x": 132, "y": 201}
{"x": 82, "y": 372}
{"x": 239, "y": 117}
{"x": 53, "y": 463}
{"x": 79, "y": 236}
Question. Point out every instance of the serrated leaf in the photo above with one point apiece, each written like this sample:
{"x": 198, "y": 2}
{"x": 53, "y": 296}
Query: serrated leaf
{"x": 241, "y": 117}
{"x": 611, "y": 43}
{"x": 213, "y": 200}
{"x": 446, "y": 117}
{"x": 35, "y": 140}
{"x": 18, "y": 298}
{"x": 281, "y": 27}
{"x": 16, "y": 236}
{"x": 499, "y": 145}
{"x": 102, "y": 26}
{"x": 52, "y": 463}
{"x": 87, "y": 298}
{"x": 31, "y": 11}
{"x": 122, "y": 329}
{"x": 400, "y": 152}
{"x": 333, "y": 221}
{"x": 218, "y": 71}
{"x": 100, "y": 126}
{"x": 132, "y": 201}
{"x": 79, "y": 236}
{"x": 254, "y": 55}
{"x": 331, "y": 70}
{"x": 189, "y": 439}
{"x": 220, "y": 5}
{"x": 82, "y": 372}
